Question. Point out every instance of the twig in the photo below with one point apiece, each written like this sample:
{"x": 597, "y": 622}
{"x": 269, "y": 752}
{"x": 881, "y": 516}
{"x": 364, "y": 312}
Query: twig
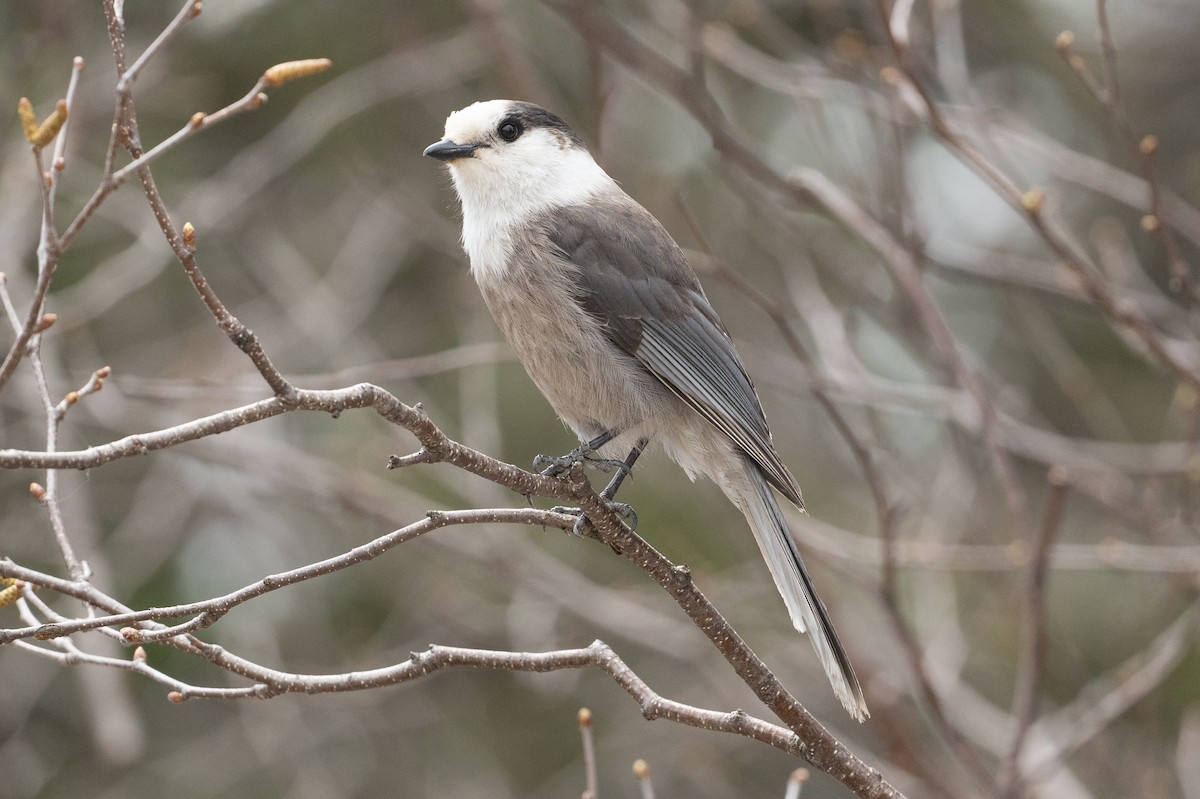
{"x": 50, "y": 246}
{"x": 590, "y": 782}
{"x": 641, "y": 772}
{"x": 806, "y": 187}
{"x": 48, "y": 496}
{"x": 1030, "y": 203}
{"x": 1142, "y": 150}
{"x": 271, "y": 682}
{"x": 795, "y": 783}
{"x": 184, "y": 246}
{"x": 207, "y": 612}
{"x": 1033, "y": 632}
{"x": 819, "y": 747}
{"x": 1110, "y": 695}
{"x": 189, "y": 11}
{"x": 58, "y": 160}
{"x": 7, "y": 304}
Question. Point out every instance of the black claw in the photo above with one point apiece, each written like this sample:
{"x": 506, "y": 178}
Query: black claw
{"x": 558, "y": 465}
{"x": 622, "y": 509}
{"x": 606, "y": 465}
{"x": 553, "y": 466}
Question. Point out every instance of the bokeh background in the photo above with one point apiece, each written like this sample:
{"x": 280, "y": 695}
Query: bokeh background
{"x": 324, "y": 230}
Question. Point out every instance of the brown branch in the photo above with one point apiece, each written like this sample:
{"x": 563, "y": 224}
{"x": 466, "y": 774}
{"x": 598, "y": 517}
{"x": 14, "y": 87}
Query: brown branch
{"x": 271, "y": 682}
{"x": 1142, "y": 150}
{"x": 1031, "y": 205}
{"x": 205, "y": 613}
{"x": 819, "y": 747}
{"x": 1033, "y": 632}
{"x": 48, "y": 497}
{"x": 588, "y": 743}
{"x": 184, "y": 246}
{"x": 1111, "y": 694}
{"x": 806, "y": 187}
{"x": 50, "y": 246}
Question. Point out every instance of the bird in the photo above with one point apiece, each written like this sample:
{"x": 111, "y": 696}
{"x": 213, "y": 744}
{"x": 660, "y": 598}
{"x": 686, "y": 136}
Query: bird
{"x": 599, "y": 304}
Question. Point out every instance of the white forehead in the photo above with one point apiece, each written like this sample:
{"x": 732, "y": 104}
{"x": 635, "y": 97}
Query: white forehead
{"x": 476, "y": 120}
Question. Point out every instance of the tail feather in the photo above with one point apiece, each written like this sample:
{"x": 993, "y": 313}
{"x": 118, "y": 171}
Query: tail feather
{"x": 808, "y": 613}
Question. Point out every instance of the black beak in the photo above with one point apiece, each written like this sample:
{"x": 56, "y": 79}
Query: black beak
{"x": 446, "y": 150}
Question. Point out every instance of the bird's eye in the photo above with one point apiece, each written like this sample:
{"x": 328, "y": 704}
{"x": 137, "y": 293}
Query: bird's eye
{"x": 509, "y": 130}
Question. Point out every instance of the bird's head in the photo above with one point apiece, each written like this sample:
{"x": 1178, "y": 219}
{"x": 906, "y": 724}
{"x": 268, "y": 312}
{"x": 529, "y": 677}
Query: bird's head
{"x": 514, "y": 158}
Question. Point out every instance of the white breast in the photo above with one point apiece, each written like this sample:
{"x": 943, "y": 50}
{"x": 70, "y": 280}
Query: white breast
{"x": 502, "y": 190}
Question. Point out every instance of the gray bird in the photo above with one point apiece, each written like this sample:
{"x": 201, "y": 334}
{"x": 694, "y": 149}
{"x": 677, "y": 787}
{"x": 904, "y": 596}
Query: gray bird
{"x": 612, "y": 325}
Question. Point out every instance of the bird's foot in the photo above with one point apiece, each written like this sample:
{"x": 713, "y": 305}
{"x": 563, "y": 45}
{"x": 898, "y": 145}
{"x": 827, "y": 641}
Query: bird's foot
{"x": 558, "y": 465}
{"x": 623, "y": 510}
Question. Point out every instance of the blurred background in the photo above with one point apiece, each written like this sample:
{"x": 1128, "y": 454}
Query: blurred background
{"x": 925, "y": 468}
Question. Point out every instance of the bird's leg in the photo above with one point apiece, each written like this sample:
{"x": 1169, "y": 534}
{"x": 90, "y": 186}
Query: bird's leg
{"x": 624, "y": 469}
{"x": 556, "y": 466}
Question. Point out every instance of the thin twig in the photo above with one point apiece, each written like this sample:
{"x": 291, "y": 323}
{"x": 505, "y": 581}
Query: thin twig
{"x": 207, "y": 612}
{"x": 591, "y": 788}
{"x": 1141, "y": 150}
{"x": 1033, "y": 632}
{"x": 49, "y": 497}
{"x": 1110, "y": 695}
{"x": 819, "y": 747}
{"x": 1032, "y": 207}
{"x": 126, "y": 77}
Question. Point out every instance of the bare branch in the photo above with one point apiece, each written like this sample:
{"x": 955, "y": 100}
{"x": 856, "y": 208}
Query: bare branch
{"x": 1033, "y": 631}
{"x": 209, "y": 611}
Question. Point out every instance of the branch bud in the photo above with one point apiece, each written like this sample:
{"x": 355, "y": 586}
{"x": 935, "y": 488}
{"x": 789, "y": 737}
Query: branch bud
{"x": 99, "y": 376}
{"x": 38, "y": 491}
{"x": 189, "y": 235}
{"x": 1063, "y": 42}
{"x": 291, "y": 70}
{"x": 139, "y": 655}
{"x": 50, "y": 128}
{"x": 29, "y": 122}
{"x": 174, "y": 696}
{"x": 196, "y": 8}
{"x": 197, "y": 119}
{"x": 585, "y": 717}
{"x": 11, "y": 592}
{"x": 1151, "y": 223}
{"x": 44, "y": 324}
{"x": 1148, "y": 146}
{"x": 641, "y": 769}
{"x": 1032, "y": 201}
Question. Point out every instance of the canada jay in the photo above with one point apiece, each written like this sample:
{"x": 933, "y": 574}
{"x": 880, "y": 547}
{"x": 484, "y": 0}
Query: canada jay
{"x": 611, "y": 323}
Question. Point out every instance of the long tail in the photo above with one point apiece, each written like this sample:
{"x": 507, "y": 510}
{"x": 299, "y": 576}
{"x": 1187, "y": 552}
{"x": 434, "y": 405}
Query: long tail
{"x": 808, "y": 613}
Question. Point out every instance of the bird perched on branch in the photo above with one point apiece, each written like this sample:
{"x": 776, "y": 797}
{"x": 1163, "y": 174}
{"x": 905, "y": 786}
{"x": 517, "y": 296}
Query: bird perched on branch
{"x": 612, "y": 325}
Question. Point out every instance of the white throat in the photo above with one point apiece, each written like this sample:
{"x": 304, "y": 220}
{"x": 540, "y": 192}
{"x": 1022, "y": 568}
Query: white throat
{"x": 501, "y": 192}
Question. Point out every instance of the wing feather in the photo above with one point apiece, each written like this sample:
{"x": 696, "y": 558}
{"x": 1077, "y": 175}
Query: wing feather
{"x": 632, "y": 276}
